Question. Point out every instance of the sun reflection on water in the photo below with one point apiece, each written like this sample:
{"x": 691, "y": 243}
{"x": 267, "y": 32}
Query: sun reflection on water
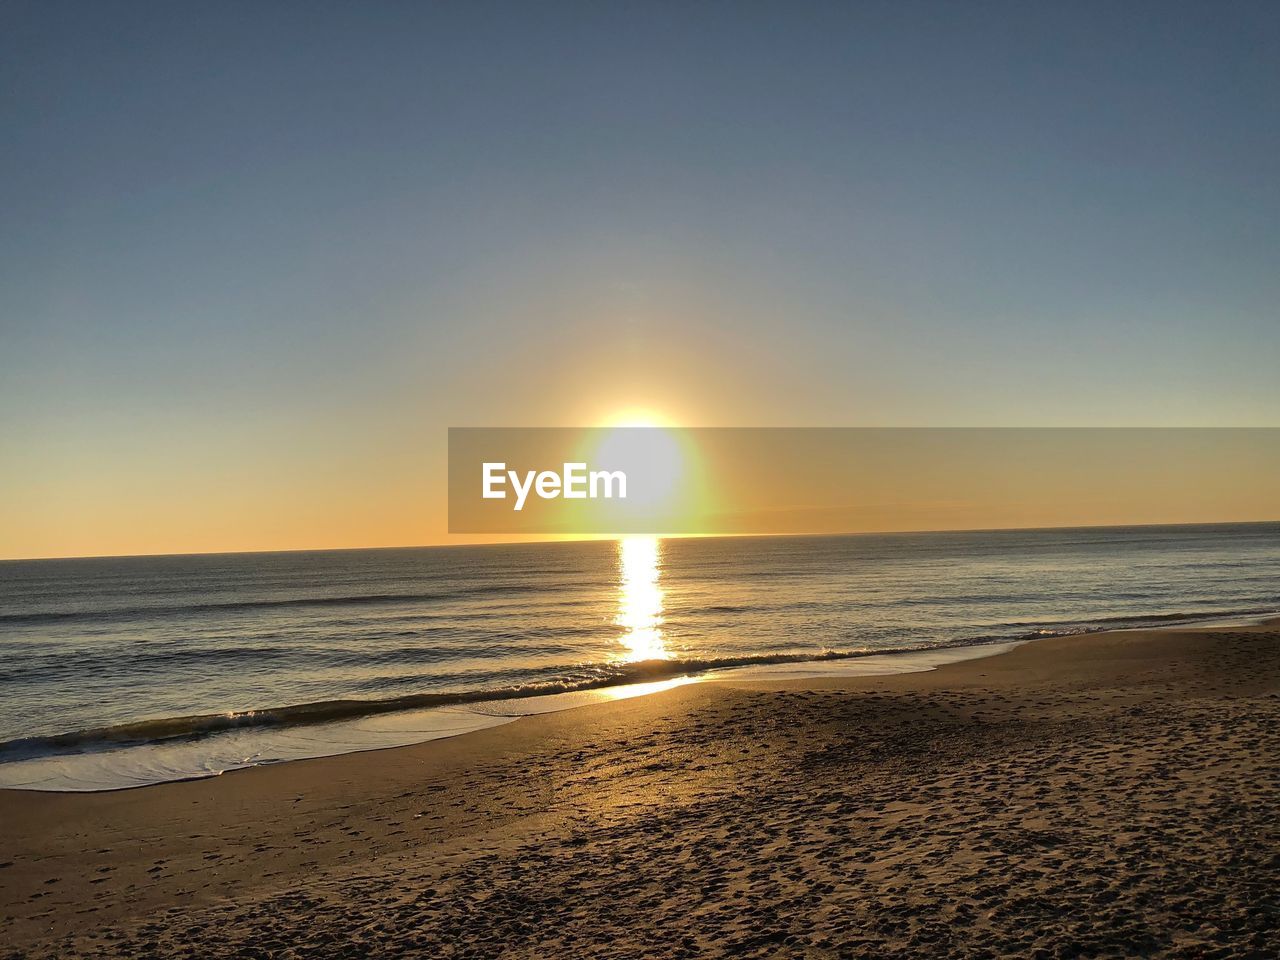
{"x": 640, "y": 599}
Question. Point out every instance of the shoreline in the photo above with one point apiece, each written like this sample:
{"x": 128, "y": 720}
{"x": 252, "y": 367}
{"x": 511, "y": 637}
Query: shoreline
{"x": 134, "y": 766}
{"x": 919, "y": 771}
{"x": 229, "y": 743}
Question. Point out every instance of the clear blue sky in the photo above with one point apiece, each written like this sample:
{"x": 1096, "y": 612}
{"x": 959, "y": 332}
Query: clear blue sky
{"x": 294, "y": 242}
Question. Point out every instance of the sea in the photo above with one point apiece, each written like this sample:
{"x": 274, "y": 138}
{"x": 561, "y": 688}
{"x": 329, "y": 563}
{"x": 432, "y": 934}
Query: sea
{"x": 122, "y": 672}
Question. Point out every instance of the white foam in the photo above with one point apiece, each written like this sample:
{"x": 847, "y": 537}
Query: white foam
{"x": 141, "y": 765}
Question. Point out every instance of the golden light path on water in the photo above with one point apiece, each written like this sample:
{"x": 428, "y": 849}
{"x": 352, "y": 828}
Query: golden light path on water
{"x": 640, "y": 599}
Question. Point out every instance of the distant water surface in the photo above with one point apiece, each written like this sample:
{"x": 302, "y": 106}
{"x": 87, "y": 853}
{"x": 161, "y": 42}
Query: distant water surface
{"x": 102, "y": 653}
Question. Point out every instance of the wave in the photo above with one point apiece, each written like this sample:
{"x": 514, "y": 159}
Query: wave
{"x": 233, "y": 606}
{"x": 53, "y": 667}
{"x": 1147, "y": 619}
{"x": 1196, "y": 615}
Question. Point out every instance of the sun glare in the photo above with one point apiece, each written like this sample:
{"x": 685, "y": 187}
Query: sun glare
{"x": 640, "y": 598}
{"x": 637, "y": 417}
{"x": 658, "y": 462}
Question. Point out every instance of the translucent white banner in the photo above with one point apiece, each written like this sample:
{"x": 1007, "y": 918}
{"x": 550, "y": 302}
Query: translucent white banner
{"x": 839, "y": 480}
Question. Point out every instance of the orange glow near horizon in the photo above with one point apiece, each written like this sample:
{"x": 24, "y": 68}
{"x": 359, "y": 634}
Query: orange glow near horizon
{"x": 202, "y": 497}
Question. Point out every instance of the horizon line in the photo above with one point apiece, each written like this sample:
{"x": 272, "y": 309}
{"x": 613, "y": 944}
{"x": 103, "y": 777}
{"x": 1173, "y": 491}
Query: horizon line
{"x": 590, "y": 538}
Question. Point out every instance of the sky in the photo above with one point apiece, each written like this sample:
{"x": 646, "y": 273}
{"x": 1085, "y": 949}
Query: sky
{"x": 255, "y": 259}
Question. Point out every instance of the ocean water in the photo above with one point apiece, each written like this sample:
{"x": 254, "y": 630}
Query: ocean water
{"x": 121, "y": 671}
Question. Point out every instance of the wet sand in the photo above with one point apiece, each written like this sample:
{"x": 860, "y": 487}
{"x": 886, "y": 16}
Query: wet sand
{"x": 1110, "y": 795}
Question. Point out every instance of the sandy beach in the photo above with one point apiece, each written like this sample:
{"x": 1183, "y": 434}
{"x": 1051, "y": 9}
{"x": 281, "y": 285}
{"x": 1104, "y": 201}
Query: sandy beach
{"x": 1106, "y": 795}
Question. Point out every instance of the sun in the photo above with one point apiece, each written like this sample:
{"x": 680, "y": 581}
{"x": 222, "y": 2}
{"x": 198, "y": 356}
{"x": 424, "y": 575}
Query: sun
{"x": 661, "y": 464}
